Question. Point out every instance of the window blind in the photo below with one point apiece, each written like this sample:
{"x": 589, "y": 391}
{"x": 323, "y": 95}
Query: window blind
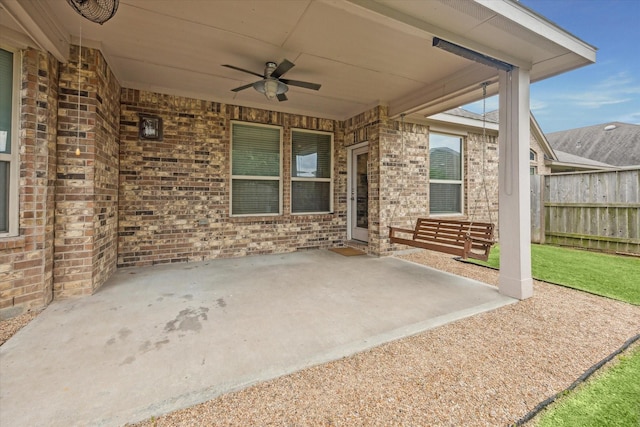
{"x": 255, "y": 168}
{"x": 311, "y": 155}
{"x": 6, "y": 95}
{"x": 445, "y": 198}
{"x": 445, "y": 173}
{"x": 255, "y": 197}
{"x": 310, "y": 196}
{"x": 256, "y": 151}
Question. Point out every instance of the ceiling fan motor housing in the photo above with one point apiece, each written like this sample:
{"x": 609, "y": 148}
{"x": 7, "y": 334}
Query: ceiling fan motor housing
{"x": 269, "y": 68}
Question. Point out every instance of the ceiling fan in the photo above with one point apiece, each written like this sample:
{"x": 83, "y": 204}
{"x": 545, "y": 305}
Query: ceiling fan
{"x": 272, "y": 85}
{"x": 98, "y": 11}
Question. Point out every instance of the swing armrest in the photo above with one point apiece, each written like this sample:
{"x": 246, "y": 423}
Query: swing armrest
{"x": 480, "y": 240}
{"x": 394, "y": 230}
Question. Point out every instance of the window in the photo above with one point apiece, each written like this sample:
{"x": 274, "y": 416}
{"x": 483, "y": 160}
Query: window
{"x": 9, "y": 85}
{"x": 311, "y": 172}
{"x": 533, "y": 169}
{"x": 445, "y": 174}
{"x": 256, "y": 186}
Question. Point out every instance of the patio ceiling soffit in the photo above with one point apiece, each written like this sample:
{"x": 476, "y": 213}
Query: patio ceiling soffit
{"x": 487, "y": 20}
{"x": 457, "y": 89}
{"x": 35, "y": 19}
{"x": 463, "y": 86}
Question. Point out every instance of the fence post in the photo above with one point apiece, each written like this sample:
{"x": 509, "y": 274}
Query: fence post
{"x": 543, "y": 225}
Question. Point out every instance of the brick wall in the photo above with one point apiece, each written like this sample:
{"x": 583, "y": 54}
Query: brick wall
{"x": 478, "y": 205}
{"x": 86, "y": 186}
{"x": 405, "y": 175}
{"x": 174, "y": 194}
{"x": 398, "y": 172}
{"x": 126, "y": 201}
{"x": 106, "y": 175}
{"x": 26, "y": 262}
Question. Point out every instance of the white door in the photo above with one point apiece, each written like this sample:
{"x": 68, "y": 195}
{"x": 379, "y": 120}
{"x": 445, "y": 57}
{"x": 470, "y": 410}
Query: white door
{"x": 359, "y": 194}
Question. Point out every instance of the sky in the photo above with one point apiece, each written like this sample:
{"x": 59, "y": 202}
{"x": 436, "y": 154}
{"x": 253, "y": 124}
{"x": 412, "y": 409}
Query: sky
{"x": 604, "y": 92}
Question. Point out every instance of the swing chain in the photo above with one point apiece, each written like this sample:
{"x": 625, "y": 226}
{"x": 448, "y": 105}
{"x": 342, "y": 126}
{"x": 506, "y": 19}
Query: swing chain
{"x": 484, "y": 148}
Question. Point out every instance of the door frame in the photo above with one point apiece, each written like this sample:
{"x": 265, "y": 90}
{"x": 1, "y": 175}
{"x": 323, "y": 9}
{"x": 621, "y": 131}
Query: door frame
{"x": 351, "y": 203}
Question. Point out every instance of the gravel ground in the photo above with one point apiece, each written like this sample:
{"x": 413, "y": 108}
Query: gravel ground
{"x": 486, "y": 370}
{"x": 11, "y": 326}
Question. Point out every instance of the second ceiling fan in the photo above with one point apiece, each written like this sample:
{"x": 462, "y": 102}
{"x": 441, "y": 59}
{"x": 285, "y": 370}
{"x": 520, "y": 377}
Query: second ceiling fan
{"x": 272, "y": 84}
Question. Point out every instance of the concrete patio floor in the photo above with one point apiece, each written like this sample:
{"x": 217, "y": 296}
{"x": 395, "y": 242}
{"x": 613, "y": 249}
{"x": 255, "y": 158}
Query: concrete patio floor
{"x": 156, "y": 339}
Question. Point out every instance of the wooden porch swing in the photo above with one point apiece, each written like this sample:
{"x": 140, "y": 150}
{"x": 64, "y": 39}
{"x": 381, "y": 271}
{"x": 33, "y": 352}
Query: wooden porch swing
{"x": 467, "y": 239}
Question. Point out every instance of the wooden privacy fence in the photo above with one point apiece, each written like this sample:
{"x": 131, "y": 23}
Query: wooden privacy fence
{"x": 591, "y": 210}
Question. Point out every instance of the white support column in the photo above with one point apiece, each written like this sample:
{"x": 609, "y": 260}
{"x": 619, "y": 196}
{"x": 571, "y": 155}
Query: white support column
{"x": 513, "y": 173}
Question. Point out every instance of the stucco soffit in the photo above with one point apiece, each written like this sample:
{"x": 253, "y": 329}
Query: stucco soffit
{"x": 525, "y": 17}
{"x": 447, "y": 93}
{"x": 405, "y": 22}
{"x": 35, "y": 19}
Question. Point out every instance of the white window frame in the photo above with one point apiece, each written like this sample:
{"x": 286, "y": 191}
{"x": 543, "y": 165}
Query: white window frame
{"x": 313, "y": 179}
{"x": 252, "y": 177}
{"x": 14, "y": 157}
{"x": 462, "y": 138}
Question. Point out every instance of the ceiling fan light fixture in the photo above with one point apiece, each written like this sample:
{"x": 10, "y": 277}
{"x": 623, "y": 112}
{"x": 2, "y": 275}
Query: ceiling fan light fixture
{"x": 271, "y": 83}
{"x": 270, "y": 87}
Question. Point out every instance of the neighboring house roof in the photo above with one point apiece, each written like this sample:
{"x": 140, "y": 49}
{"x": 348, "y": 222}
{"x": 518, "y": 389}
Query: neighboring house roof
{"x": 461, "y": 118}
{"x": 494, "y": 116}
{"x": 461, "y": 112}
{"x": 572, "y": 158}
{"x": 614, "y": 143}
{"x": 567, "y": 162}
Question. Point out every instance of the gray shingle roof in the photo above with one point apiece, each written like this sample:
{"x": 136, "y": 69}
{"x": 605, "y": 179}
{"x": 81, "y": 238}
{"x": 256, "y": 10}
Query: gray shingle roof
{"x": 619, "y": 146}
{"x": 572, "y": 158}
{"x": 492, "y": 116}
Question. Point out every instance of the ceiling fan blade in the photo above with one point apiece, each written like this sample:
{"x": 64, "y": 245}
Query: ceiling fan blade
{"x": 243, "y": 70}
{"x": 282, "y": 97}
{"x": 306, "y": 85}
{"x": 284, "y": 66}
{"x": 238, "y": 89}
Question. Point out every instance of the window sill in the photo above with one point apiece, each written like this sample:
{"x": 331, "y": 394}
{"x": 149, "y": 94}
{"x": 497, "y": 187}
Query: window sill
{"x": 12, "y": 242}
{"x": 457, "y": 216}
{"x": 279, "y": 219}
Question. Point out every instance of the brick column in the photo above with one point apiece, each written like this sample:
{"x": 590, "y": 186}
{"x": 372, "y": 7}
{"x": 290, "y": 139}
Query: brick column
{"x": 86, "y": 185}
{"x": 404, "y": 176}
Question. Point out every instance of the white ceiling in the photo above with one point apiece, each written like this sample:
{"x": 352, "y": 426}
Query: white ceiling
{"x": 363, "y": 52}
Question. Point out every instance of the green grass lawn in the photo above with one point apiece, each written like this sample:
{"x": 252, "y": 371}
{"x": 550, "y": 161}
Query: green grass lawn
{"x": 610, "y": 399}
{"x": 613, "y": 276}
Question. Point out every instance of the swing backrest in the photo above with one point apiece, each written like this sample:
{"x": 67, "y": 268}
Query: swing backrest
{"x": 451, "y": 232}
{"x": 467, "y": 239}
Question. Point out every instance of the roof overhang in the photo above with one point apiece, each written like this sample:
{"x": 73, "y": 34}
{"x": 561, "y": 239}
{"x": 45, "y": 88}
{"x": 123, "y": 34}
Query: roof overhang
{"x": 564, "y": 167}
{"x": 363, "y": 52}
{"x": 451, "y": 121}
